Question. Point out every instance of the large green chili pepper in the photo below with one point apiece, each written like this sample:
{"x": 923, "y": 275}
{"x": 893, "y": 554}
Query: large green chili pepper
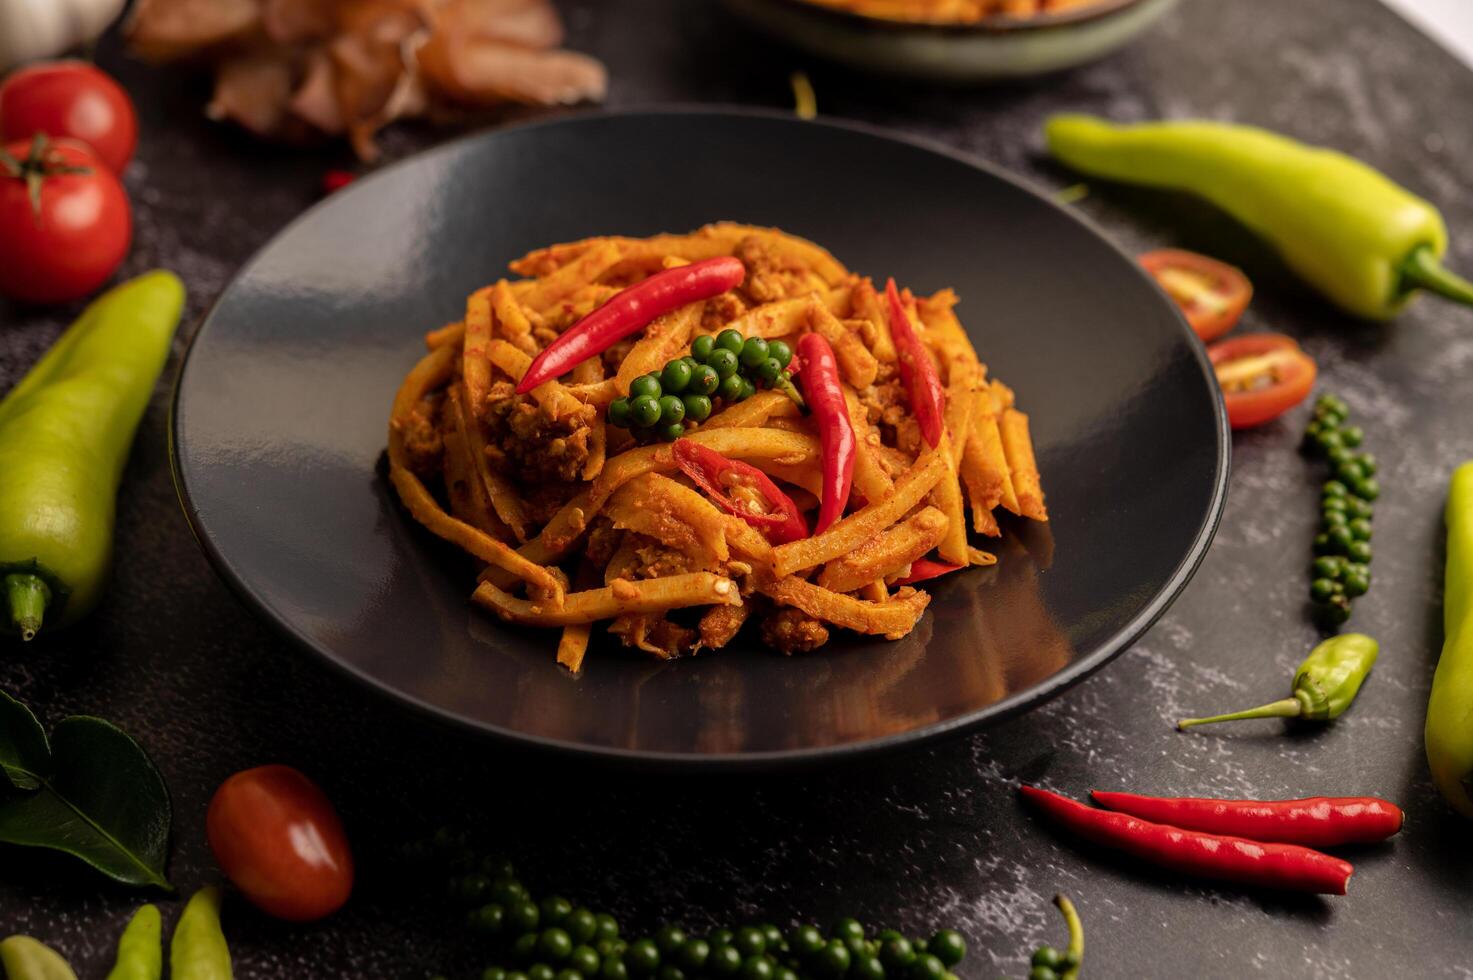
{"x": 65, "y": 431}
{"x": 1449, "y": 731}
{"x": 1346, "y": 229}
{"x": 24, "y": 958}
{"x": 198, "y": 950}
{"x": 141, "y": 947}
{"x": 1324, "y": 685}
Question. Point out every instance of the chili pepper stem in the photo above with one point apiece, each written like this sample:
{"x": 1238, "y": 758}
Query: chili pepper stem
{"x": 1423, "y": 269}
{"x": 1287, "y": 708}
{"x": 1076, "y": 936}
{"x": 785, "y": 385}
{"x": 27, "y": 597}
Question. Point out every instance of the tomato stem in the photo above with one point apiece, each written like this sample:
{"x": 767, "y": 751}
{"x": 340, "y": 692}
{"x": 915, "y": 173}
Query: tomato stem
{"x": 27, "y": 597}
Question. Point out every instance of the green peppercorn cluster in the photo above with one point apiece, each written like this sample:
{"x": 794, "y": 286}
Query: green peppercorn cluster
{"x": 728, "y": 366}
{"x": 552, "y": 939}
{"x": 1342, "y": 564}
{"x": 1050, "y": 963}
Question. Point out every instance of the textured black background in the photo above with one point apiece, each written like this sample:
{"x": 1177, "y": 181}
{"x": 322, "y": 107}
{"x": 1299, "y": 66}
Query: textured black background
{"x": 915, "y": 840}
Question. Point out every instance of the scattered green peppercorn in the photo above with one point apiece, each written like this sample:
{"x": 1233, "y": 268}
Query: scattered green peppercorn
{"x": 753, "y": 352}
{"x": 671, "y": 432}
{"x": 1337, "y": 610}
{"x": 507, "y": 892}
{"x": 866, "y": 968}
{"x": 774, "y": 937}
{"x": 1047, "y": 956}
{"x": 896, "y": 952}
{"x": 721, "y": 937}
{"x": 675, "y": 377}
{"x": 1367, "y": 463}
{"x": 927, "y": 966}
{"x": 493, "y": 973}
{"x": 724, "y": 961}
{"x": 554, "y": 910}
{"x": 1328, "y": 566}
{"x": 1340, "y": 538}
{"x": 769, "y": 370}
{"x": 748, "y": 390}
{"x": 1357, "y": 580}
{"x": 1361, "y": 528}
{"x": 704, "y": 380}
{"x": 697, "y": 407}
{"x": 473, "y": 887}
{"x": 785, "y": 973}
{"x": 1332, "y": 505}
{"x": 757, "y": 968}
{"x": 1350, "y": 472}
{"x": 702, "y": 346}
{"x": 847, "y": 929}
{"x": 568, "y": 974}
{"x": 608, "y": 927}
{"x": 582, "y": 925}
{"x": 1356, "y": 507}
{"x": 645, "y": 384}
{"x": 554, "y": 945}
{"x": 1331, "y": 519}
{"x": 607, "y": 948}
{"x": 516, "y": 975}
{"x": 670, "y": 939}
{"x": 672, "y": 409}
{"x": 948, "y": 946}
{"x": 1322, "y": 544}
{"x": 1334, "y": 488}
{"x": 1338, "y": 456}
{"x": 732, "y": 387}
{"x": 749, "y": 941}
{"x": 1352, "y": 435}
{"x": 613, "y": 969}
{"x": 643, "y": 957}
{"x": 644, "y": 411}
{"x": 671, "y": 972}
{"x": 780, "y": 352}
{"x": 1042, "y": 973}
{"x": 833, "y": 960}
{"x": 488, "y": 919}
{"x": 585, "y": 960}
{"x": 806, "y": 940}
{"x": 731, "y": 340}
{"x": 541, "y": 971}
{"x": 525, "y": 946}
{"x": 693, "y": 955}
{"x": 619, "y": 412}
{"x": 1359, "y": 551}
{"x": 523, "y": 916}
{"x": 723, "y": 362}
{"x": 1321, "y": 589}
{"x": 1366, "y": 489}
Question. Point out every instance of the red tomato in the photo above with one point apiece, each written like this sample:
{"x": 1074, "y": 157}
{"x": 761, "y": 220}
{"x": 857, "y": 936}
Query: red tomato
{"x": 70, "y": 99}
{"x": 276, "y": 836}
{"x": 65, "y": 223}
{"x": 1212, "y": 294}
{"x": 1262, "y": 375}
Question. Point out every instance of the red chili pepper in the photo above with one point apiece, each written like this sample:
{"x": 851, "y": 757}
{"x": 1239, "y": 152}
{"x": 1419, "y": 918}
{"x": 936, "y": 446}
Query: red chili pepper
{"x": 336, "y": 180}
{"x": 917, "y": 371}
{"x": 1287, "y": 867}
{"x": 1320, "y": 821}
{"x": 924, "y": 568}
{"x": 825, "y": 395}
{"x": 630, "y": 310}
{"x": 717, "y": 475}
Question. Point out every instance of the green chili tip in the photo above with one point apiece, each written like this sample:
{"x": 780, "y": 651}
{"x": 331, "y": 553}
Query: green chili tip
{"x": 785, "y": 385}
{"x": 27, "y": 596}
{"x": 1287, "y": 708}
{"x": 1424, "y": 270}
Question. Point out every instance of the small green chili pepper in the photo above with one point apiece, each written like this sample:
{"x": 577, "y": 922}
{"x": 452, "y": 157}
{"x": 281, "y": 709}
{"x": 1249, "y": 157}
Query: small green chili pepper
{"x": 24, "y": 958}
{"x": 1449, "y": 733}
{"x": 1324, "y": 685}
{"x": 198, "y": 950}
{"x": 1345, "y": 228}
{"x": 141, "y": 947}
{"x": 65, "y": 431}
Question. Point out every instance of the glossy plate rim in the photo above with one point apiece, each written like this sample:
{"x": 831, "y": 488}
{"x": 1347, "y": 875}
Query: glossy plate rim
{"x": 1076, "y": 671}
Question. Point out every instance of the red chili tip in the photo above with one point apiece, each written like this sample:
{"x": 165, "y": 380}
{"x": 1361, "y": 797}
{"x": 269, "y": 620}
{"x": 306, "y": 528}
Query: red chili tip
{"x": 335, "y": 180}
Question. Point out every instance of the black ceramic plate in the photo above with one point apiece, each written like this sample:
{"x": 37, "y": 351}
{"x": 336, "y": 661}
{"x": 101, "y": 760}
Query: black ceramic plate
{"x": 281, "y": 407}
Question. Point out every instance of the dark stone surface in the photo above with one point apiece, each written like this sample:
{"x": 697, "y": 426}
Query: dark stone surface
{"x": 915, "y": 840}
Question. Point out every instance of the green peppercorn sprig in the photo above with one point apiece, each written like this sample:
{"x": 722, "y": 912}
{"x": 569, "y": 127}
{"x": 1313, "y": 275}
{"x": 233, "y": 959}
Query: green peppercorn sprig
{"x": 1049, "y": 963}
{"x": 728, "y": 366}
{"x": 1341, "y": 571}
{"x": 554, "y": 940}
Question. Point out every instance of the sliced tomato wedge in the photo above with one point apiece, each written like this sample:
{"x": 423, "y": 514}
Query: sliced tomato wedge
{"x": 1212, "y": 294}
{"x": 1262, "y": 376}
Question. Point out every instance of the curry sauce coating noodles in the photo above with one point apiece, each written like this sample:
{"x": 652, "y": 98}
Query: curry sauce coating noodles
{"x": 676, "y": 559}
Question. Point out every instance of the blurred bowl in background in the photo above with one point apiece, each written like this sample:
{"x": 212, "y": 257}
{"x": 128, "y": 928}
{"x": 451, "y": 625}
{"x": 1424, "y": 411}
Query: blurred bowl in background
{"x": 992, "y": 49}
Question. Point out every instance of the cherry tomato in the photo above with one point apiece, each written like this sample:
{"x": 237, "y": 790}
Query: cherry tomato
{"x": 65, "y": 223}
{"x": 1212, "y": 294}
{"x": 276, "y": 836}
{"x": 70, "y": 99}
{"x": 1262, "y": 376}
